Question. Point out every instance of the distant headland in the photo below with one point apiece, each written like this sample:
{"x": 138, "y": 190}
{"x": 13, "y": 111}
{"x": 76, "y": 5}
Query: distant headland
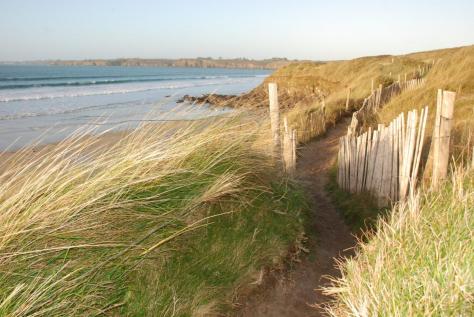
{"x": 201, "y": 62}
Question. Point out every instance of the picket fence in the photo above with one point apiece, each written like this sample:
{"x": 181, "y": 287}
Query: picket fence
{"x": 290, "y": 141}
{"x": 380, "y": 97}
{"x": 315, "y": 123}
{"x": 282, "y": 147}
{"x": 386, "y": 162}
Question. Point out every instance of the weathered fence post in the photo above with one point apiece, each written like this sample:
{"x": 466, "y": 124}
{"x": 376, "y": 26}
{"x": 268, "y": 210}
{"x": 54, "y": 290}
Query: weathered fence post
{"x": 472, "y": 158}
{"x": 275, "y": 118}
{"x": 293, "y": 150}
{"x": 290, "y": 142}
{"x": 442, "y": 135}
{"x": 418, "y": 149}
{"x": 379, "y": 97}
{"x": 347, "y": 99}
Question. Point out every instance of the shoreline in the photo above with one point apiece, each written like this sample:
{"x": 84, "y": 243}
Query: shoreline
{"x": 53, "y": 112}
{"x": 33, "y": 151}
{"x": 104, "y": 138}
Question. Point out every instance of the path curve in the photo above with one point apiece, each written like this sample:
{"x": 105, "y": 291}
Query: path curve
{"x": 293, "y": 293}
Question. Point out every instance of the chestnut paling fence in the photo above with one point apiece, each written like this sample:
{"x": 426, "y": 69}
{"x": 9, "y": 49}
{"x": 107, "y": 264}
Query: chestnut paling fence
{"x": 285, "y": 143}
{"x": 379, "y": 97}
{"x": 385, "y": 161}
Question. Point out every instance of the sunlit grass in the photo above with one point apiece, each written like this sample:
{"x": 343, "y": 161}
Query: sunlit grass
{"x": 420, "y": 261}
{"x": 89, "y": 227}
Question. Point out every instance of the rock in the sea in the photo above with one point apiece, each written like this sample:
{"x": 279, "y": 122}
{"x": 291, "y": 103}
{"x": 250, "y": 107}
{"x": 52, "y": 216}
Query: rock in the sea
{"x": 211, "y": 99}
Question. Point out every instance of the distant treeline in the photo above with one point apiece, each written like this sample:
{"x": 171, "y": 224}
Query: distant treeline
{"x": 207, "y": 62}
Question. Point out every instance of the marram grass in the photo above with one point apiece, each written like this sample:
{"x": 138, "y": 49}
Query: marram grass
{"x": 167, "y": 221}
{"x": 419, "y": 263}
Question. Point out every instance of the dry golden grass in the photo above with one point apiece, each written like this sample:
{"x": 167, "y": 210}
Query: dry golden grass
{"x": 453, "y": 70}
{"x": 305, "y": 87}
{"x": 419, "y": 262}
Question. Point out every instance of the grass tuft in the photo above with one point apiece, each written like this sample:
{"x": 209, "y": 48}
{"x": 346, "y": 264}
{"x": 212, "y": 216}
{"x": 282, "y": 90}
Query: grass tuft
{"x": 420, "y": 261}
{"x": 168, "y": 220}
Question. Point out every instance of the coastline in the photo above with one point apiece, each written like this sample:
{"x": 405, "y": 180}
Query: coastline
{"x": 231, "y": 63}
{"x": 97, "y": 141}
{"x": 53, "y": 102}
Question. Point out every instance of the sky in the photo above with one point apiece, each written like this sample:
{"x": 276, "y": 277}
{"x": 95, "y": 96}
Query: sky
{"x": 297, "y": 29}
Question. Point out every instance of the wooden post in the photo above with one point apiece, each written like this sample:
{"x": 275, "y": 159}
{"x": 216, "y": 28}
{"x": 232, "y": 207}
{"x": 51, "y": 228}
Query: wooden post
{"x": 396, "y": 159}
{"x": 286, "y": 151}
{"x": 409, "y": 149}
{"x": 368, "y": 153}
{"x": 372, "y": 89}
{"x": 387, "y": 168}
{"x": 362, "y": 152}
{"x": 347, "y": 163}
{"x": 435, "y": 137}
{"x": 379, "y": 96}
{"x": 372, "y": 160}
{"x": 442, "y": 135}
{"x": 293, "y": 147}
{"x": 353, "y": 164}
{"x": 378, "y": 166}
{"x": 275, "y": 118}
{"x": 347, "y": 99}
{"x": 472, "y": 158}
{"x": 418, "y": 149}
{"x": 339, "y": 164}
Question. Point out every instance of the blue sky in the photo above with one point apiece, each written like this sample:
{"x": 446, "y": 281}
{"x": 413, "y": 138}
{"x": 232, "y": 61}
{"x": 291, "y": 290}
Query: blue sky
{"x": 320, "y": 30}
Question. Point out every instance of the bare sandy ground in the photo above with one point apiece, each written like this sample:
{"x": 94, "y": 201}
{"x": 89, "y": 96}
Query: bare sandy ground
{"x": 296, "y": 292}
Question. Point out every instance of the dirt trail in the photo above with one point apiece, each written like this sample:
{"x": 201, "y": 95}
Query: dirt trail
{"x": 293, "y": 293}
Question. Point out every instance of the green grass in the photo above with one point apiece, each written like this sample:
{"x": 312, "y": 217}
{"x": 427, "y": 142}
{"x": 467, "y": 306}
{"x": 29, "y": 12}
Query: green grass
{"x": 420, "y": 261}
{"x": 202, "y": 275}
{"x": 360, "y": 211}
{"x": 170, "y": 221}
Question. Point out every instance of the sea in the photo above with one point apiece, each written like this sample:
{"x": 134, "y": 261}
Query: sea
{"x": 44, "y": 104}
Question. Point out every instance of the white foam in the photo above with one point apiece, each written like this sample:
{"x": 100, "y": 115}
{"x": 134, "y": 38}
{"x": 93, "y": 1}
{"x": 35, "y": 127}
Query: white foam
{"x": 11, "y": 95}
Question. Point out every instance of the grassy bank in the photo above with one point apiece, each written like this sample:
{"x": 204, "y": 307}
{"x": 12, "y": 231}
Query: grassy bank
{"x": 420, "y": 261}
{"x": 452, "y": 70}
{"x": 169, "y": 221}
{"x": 303, "y": 89}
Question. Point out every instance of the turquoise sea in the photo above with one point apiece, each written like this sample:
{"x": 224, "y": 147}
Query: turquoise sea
{"x": 51, "y": 102}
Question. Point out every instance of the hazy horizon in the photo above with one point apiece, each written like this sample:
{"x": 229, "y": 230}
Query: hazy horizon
{"x": 311, "y": 30}
{"x": 229, "y": 58}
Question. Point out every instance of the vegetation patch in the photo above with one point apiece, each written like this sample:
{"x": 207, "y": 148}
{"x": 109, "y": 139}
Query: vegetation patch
{"x": 418, "y": 263}
{"x": 169, "y": 221}
{"x": 360, "y": 210}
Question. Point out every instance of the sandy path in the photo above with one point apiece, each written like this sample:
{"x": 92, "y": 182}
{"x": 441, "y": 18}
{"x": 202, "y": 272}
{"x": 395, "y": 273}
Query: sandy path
{"x": 292, "y": 293}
